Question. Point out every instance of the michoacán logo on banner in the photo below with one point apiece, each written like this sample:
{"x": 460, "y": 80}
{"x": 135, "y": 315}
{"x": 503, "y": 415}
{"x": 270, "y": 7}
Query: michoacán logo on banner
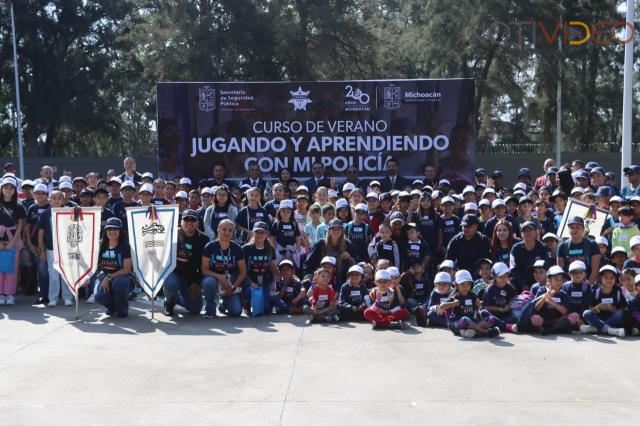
{"x": 292, "y": 125}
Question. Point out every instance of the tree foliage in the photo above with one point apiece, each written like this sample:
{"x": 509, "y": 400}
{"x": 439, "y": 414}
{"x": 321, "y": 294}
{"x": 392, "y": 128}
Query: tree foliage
{"x": 88, "y": 68}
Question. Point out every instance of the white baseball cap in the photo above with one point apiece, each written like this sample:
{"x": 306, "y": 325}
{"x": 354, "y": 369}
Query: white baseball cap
{"x": 550, "y": 235}
{"x": 470, "y": 207}
{"x": 577, "y": 189}
{"x": 555, "y": 270}
{"x": 328, "y": 259}
{"x": 129, "y": 184}
{"x": 362, "y": 208}
{"x": 61, "y": 186}
{"x": 609, "y": 268}
{"x": 484, "y": 202}
{"x": 498, "y": 202}
{"x": 442, "y": 277}
{"x": 341, "y": 203}
{"x": 356, "y": 268}
{"x": 146, "y": 187}
{"x": 618, "y": 249}
{"x": 393, "y": 271}
{"x": 577, "y": 265}
{"x": 602, "y": 240}
{"x": 383, "y": 275}
{"x": 302, "y": 188}
{"x": 41, "y": 187}
{"x": 182, "y": 194}
{"x": 286, "y": 204}
{"x": 468, "y": 189}
{"x": 147, "y": 175}
{"x": 372, "y": 195}
{"x": 463, "y": 276}
{"x": 488, "y": 191}
{"x": 333, "y": 193}
{"x": 185, "y": 181}
{"x": 348, "y": 187}
{"x": 64, "y": 178}
{"x": 447, "y": 264}
{"x": 634, "y": 241}
{"x": 205, "y": 190}
{"x": 447, "y": 199}
{"x": 499, "y": 269}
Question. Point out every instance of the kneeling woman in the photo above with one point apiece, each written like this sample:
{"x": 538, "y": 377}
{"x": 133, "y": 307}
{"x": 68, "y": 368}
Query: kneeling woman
{"x": 114, "y": 266}
{"x": 224, "y": 270}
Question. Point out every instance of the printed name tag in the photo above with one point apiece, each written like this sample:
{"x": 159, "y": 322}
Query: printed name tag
{"x": 384, "y": 299}
{"x": 323, "y": 297}
{"x": 607, "y": 300}
{"x": 623, "y": 237}
{"x": 415, "y": 247}
{"x": 357, "y": 229}
{"x": 556, "y": 299}
{"x": 419, "y": 286}
{"x": 259, "y": 214}
{"x": 286, "y": 226}
{"x": 355, "y": 293}
{"x": 576, "y": 294}
{"x": 387, "y": 247}
{"x": 448, "y": 222}
{"x": 503, "y": 292}
{"x": 468, "y": 302}
{"x": 222, "y": 215}
{"x": 289, "y": 289}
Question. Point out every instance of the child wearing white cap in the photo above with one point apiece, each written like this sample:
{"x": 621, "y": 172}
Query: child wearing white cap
{"x": 578, "y": 288}
{"x": 435, "y": 315}
{"x": 607, "y": 306}
{"x": 496, "y": 300}
{"x": 463, "y": 308}
{"x": 385, "y": 307}
{"x": 353, "y": 299}
{"x": 290, "y": 290}
{"x": 633, "y": 262}
{"x": 322, "y": 303}
{"x": 551, "y": 314}
{"x": 285, "y": 234}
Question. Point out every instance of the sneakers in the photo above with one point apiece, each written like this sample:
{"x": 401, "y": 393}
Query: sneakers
{"x": 618, "y": 332}
{"x": 493, "y": 332}
{"x": 168, "y": 308}
{"x": 41, "y": 301}
{"x": 333, "y": 318}
{"x": 53, "y": 303}
{"x": 374, "y": 325}
{"x": 68, "y": 302}
{"x": 512, "y": 328}
{"x": 11, "y": 300}
{"x": 400, "y": 325}
{"x": 91, "y": 299}
{"x": 468, "y": 333}
{"x": 635, "y": 332}
{"x": 421, "y": 319}
{"x": 586, "y": 328}
{"x": 208, "y": 315}
{"x": 3, "y": 299}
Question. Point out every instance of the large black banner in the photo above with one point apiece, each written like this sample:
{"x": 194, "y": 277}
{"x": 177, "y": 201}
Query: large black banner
{"x": 340, "y": 123}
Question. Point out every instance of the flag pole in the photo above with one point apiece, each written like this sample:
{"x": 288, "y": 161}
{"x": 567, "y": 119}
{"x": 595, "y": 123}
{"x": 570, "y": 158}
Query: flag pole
{"x": 17, "y": 84}
{"x": 627, "y": 96}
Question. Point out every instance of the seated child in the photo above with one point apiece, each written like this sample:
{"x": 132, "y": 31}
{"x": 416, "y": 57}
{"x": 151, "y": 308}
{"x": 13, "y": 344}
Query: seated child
{"x": 323, "y": 299}
{"x": 463, "y": 306}
{"x": 496, "y": 300}
{"x": 385, "y": 308}
{"x": 291, "y": 295}
{"x": 436, "y": 316}
{"x": 540, "y": 275}
{"x": 578, "y": 289}
{"x": 353, "y": 296}
{"x": 484, "y": 270}
{"x": 607, "y": 306}
{"x": 415, "y": 286}
{"x": 551, "y": 314}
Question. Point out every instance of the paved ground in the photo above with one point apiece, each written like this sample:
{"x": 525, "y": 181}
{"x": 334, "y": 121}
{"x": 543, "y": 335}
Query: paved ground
{"x": 274, "y": 370}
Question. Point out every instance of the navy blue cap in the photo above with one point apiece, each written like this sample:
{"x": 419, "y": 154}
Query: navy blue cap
{"x": 496, "y": 173}
{"x": 592, "y": 164}
{"x": 598, "y": 170}
{"x": 524, "y": 172}
{"x": 552, "y": 170}
{"x": 260, "y": 226}
{"x": 334, "y": 223}
{"x": 100, "y": 191}
{"x": 481, "y": 172}
{"x": 189, "y": 213}
{"x": 633, "y": 168}
{"x": 576, "y": 220}
{"x": 113, "y": 223}
{"x": 385, "y": 196}
{"x": 528, "y": 224}
{"x": 469, "y": 220}
{"x": 610, "y": 175}
{"x": 525, "y": 199}
{"x": 603, "y": 191}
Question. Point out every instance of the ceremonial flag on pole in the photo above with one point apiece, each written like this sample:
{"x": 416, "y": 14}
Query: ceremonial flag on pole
{"x": 153, "y": 235}
{"x": 76, "y": 242}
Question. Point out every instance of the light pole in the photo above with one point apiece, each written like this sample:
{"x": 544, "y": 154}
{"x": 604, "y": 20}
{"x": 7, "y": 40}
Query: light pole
{"x": 627, "y": 96}
{"x": 17, "y": 83}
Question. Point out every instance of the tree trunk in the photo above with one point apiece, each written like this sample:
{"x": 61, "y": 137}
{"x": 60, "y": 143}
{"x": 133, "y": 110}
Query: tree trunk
{"x": 52, "y": 133}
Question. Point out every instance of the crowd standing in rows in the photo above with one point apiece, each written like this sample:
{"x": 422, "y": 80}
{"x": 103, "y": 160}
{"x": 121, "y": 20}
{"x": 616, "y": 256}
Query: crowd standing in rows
{"x": 479, "y": 258}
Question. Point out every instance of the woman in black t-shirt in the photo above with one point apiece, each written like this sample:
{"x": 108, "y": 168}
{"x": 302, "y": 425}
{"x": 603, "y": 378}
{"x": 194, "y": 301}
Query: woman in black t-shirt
{"x": 12, "y": 216}
{"x": 114, "y": 266}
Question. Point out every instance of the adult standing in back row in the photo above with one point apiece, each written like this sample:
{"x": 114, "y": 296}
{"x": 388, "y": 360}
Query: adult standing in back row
{"x": 468, "y": 246}
{"x": 392, "y": 180}
{"x": 579, "y": 247}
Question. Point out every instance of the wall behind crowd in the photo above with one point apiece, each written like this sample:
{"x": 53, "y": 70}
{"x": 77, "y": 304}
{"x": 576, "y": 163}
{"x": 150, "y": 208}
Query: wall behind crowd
{"x": 508, "y": 163}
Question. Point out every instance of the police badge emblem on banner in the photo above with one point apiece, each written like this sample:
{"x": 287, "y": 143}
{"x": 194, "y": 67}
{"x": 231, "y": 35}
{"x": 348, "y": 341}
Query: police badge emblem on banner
{"x": 153, "y": 235}
{"x": 76, "y": 242}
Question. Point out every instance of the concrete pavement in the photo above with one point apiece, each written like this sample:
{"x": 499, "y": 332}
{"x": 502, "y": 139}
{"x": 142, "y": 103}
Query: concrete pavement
{"x": 273, "y": 370}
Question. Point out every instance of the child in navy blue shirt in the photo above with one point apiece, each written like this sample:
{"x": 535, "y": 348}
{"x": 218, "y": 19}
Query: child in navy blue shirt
{"x": 386, "y": 248}
{"x": 463, "y": 307}
{"x": 353, "y": 298}
{"x": 358, "y": 232}
{"x": 415, "y": 249}
{"x": 578, "y": 289}
{"x": 496, "y": 300}
{"x": 607, "y": 306}
{"x": 632, "y": 317}
{"x": 290, "y": 290}
{"x": 484, "y": 271}
{"x": 415, "y": 286}
{"x": 551, "y": 313}
{"x": 435, "y": 315}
